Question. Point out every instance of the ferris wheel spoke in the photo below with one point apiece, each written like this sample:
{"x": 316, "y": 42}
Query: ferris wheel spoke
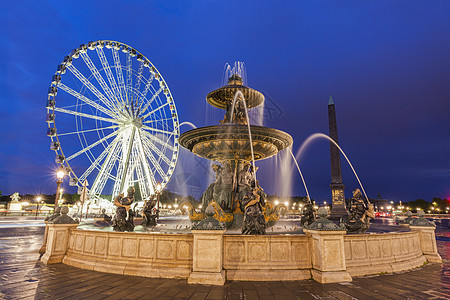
{"x": 97, "y": 161}
{"x": 107, "y": 68}
{"x": 79, "y": 114}
{"x": 99, "y": 78}
{"x": 103, "y": 176}
{"x": 157, "y": 120}
{"x": 86, "y": 100}
{"x": 93, "y": 145}
{"x": 129, "y": 77}
{"x": 150, "y": 102}
{"x": 154, "y": 161}
{"x": 139, "y": 76}
{"x": 91, "y": 87}
{"x": 157, "y": 151}
{"x": 158, "y": 130}
{"x": 147, "y": 170}
{"x": 158, "y": 140}
{"x": 147, "y": 87}
{"x": 128, "y": 178}
{"x": 105, "y": 170}
{"x": 139, "y": 162}
{"x": 88, "y": 130}
{"x": 116, "y": 188}
{"x": 119, "y": 74}
{"x": 126, "y": 159}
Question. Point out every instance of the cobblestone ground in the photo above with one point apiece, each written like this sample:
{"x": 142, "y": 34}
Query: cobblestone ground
{"x": 23, "y": 276}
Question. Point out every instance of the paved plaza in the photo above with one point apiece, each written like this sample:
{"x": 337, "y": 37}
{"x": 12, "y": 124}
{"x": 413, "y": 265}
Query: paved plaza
{"x": 24, "y": 276}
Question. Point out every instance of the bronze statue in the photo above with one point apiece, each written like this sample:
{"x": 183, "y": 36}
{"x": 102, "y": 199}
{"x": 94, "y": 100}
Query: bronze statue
{"x": 124, "y": 218}
{"x": 225, "y": 188}
{"x": 239, "y": 116}
{"x": 244, "y": 181}
{"x": 149, "y": 215}
{"x": 104, "y": 216}
{"x": 252, "y": 204}
{"x": 308, "y": 216}
{"x": 213, "y": 190}
{"x": 357, "y": 219}
{"x": 55, "y": 214}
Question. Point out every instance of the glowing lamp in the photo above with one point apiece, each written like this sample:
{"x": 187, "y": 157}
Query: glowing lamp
{"x": 60, "y": 174}
{"x": 159, "y": 188}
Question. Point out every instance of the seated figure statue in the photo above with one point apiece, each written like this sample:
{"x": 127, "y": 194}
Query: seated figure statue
{"x": 252, "y": 204}
{"x": 213, "y": 188}
{"x": 357, "y": 219}
{"x": 244, "y": 181}
{"x": 238, "y": 113}
{"x": 223, "y": 189}
{"x": 149, "y": 217}
{"x": 123, "y": 219}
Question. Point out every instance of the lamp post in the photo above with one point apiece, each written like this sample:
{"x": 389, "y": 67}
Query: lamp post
{"x": 158, "y": 192}
{"x": 60, "y": 176}
{"x": 38, "y": 200}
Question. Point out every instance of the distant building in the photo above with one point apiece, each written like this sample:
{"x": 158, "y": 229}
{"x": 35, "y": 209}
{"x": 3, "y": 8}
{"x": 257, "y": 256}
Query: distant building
{"x": 380, "y": 204}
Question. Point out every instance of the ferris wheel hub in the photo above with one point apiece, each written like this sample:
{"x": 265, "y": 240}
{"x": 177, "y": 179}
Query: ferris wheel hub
{"x": 137, "y": 122}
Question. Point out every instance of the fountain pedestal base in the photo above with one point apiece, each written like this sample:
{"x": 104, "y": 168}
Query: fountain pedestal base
{"x": 328, "y": 259}
{"x": 428, "y": 243}
{"x": 207, "y": 258}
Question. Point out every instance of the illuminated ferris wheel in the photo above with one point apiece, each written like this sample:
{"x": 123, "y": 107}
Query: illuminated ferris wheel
{"x": 112, "y": 120}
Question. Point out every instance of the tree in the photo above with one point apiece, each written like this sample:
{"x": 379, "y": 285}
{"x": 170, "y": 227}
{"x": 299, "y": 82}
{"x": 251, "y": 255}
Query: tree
{"x": 419, "y": 203}
{"x": 137, "y": 192}
{"x": 67, "y": 198}
{"x": 75, "y": 197}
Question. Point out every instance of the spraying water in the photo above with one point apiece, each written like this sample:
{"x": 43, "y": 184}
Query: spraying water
{"x": 188, "y": 123}
{"x": 248, "y": 125}
{"x": 324, "y": 136}
{"x": 257, "y": 114}
{"x": 238, "y": 68}
{"x": 300, "y": 172}
{"x": 283, "y": 163}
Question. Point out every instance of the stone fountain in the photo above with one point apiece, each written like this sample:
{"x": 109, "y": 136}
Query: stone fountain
{"x": 206, "y": 255}
{"x": 234, "y": 144}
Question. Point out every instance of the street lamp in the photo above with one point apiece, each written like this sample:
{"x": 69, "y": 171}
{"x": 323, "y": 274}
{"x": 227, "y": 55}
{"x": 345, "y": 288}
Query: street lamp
{"x": 158, "y": 192}
{"x": 38, "y": 200}
{"x": 59, "y": 179}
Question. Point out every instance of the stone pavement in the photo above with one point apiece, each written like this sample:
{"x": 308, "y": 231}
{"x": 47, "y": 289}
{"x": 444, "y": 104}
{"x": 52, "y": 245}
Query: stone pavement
{"x": 23, "y": 276}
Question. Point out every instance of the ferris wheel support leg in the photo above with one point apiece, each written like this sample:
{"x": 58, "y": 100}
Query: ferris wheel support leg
{"x": 127, "y": 160}
{"x": 100, "y": 176}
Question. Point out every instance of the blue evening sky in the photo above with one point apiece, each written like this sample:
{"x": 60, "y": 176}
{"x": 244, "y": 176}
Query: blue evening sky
{"x": 386, "y": 64}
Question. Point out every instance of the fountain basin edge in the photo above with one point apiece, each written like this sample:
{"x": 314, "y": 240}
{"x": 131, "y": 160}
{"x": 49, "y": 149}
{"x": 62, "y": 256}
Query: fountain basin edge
{"x": 244, "y": 257}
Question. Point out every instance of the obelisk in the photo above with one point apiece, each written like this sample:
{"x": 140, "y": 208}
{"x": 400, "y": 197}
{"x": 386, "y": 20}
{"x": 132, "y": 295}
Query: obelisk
{"x": 337, "y": 188}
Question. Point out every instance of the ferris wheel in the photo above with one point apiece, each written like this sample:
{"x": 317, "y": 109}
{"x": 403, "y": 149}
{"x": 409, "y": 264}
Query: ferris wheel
{"x": 112, "y": 120}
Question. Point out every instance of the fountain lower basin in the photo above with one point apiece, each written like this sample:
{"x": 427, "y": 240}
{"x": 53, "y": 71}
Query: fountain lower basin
{"x": 244, "y": 257}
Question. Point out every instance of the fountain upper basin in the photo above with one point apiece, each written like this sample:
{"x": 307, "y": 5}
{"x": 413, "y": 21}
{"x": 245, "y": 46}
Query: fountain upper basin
{"x": 231, "y": 142}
